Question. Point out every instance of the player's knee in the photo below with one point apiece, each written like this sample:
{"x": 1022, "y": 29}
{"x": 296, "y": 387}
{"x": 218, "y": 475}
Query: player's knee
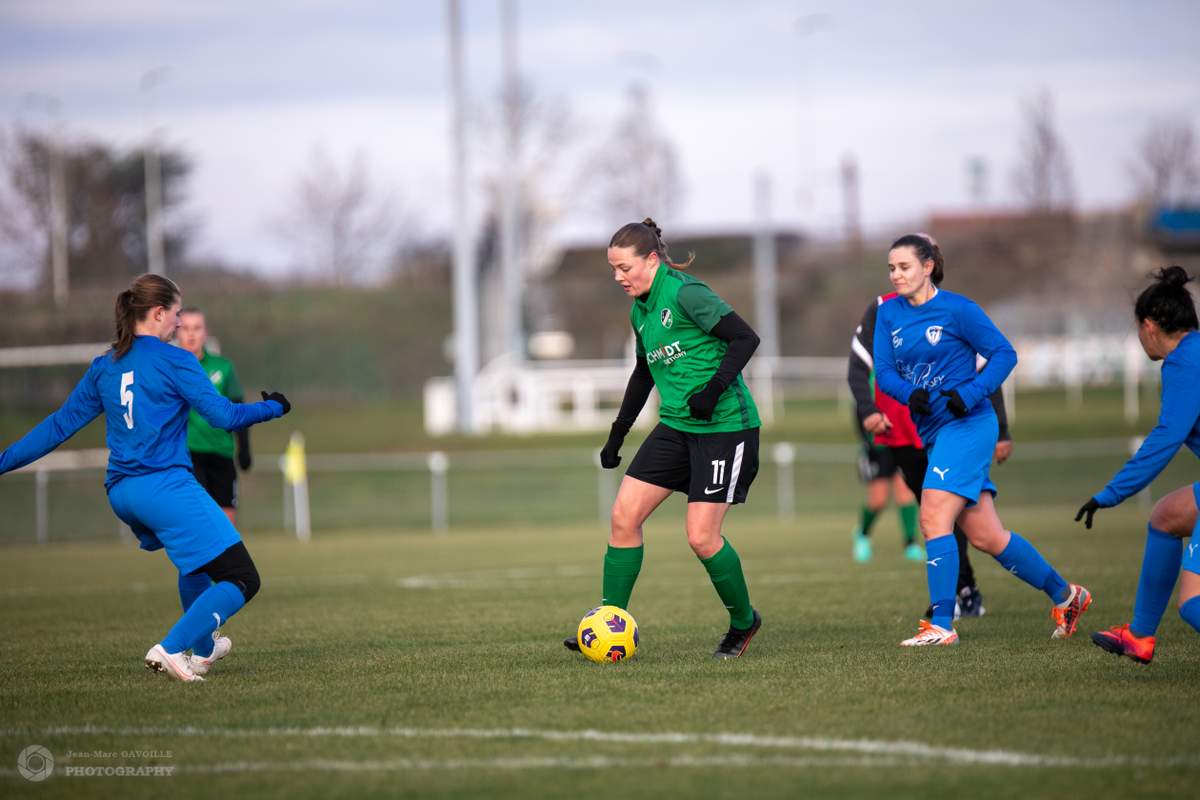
{"x": 704, "y": 543}
{"x": 250, "y": 582}
{"x": 1173, "y": 514}
{"x": 625, "y": 522}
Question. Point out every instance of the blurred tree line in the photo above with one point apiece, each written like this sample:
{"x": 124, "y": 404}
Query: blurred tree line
{"x": 104, "y": 205}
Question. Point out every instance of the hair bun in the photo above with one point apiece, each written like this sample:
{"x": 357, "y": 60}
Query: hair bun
{"x": 1174, "y": 276}
{"x": 650, "y": 223}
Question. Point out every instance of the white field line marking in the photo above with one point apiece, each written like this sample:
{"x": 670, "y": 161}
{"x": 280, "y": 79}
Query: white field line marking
{"x": 868, "y": 747}
{"x": 532, "y": 762}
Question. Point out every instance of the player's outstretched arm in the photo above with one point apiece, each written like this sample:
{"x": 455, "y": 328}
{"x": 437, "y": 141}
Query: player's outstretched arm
{"x": 218, "y": 411}
{"x": 81, "y": 407}
{"x": 1180, "y": 410}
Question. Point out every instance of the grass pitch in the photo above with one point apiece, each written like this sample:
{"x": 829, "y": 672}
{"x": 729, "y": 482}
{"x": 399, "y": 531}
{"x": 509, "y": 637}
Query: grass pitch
{"x": 386, "y": 664}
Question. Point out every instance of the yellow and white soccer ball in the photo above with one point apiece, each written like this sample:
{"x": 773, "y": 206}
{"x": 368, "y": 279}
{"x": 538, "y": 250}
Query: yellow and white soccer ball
{"x": 608, "y": 633}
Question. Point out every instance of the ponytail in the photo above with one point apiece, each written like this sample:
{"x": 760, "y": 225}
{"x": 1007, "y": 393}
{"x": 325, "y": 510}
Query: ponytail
{"x": 146, "y": 293}
{"x": 645, "y": 237}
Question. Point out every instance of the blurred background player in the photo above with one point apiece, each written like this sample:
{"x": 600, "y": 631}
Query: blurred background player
{"x": 212, "y": 449}
{"x": 144, "y": 387}
{"x": 890, "y": 424}
{"x": 692, "y": 346}
{"x": 1166, "y": 316}
{"x": 889, "y": 457}
{"x": 927, "y": 342}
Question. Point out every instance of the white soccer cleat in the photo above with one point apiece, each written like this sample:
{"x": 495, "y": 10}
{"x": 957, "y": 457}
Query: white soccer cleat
{"x": 222, "y": 645}
{"x": 176, "y": 665}
{"x": 929, "y": 635}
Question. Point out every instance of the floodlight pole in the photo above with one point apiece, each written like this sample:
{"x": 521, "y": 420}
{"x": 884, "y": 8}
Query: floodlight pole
{"x": 510, "y": 265}
{"x": 58, "y": 213}
{"x": 766, "y": 300}
{"x": 153, "y": 172}
{"x": 466, "y": 314}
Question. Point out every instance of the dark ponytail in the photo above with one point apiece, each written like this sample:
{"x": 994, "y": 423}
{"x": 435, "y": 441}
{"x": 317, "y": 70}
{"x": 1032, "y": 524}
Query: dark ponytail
{"x": 926, "y": 248}
{"x": 146, "y": 293}
{"x": 1167, "y": 301}
{"x": 645, "y": 237}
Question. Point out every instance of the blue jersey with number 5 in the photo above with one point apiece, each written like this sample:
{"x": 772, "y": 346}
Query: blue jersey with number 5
{"x": 144, "y": 396}
{"x": 933, "y": 346}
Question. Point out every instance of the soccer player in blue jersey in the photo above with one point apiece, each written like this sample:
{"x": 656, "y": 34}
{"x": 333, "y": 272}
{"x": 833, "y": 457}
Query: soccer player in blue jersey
{"x": 1167, "y": 324}
{"x": 144, "y": 387}
{"x": 926, "y": 343}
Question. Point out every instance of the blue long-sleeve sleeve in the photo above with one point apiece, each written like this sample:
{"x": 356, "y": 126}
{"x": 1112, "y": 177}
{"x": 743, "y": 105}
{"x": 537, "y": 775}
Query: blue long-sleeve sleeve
{"x": 983, "y": 335}
{"x": 81, "y": 407}
{"x": 1178, "y": 418}
{"x": 197, "y": 390}
{"x": 886, "y": 376}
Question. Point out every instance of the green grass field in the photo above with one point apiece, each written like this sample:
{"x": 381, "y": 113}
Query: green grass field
{"x": 377, "y": 663}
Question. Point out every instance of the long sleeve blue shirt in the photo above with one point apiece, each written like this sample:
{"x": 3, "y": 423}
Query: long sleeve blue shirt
{"x": 933, "y": 346}
{"x": 144, "y": 396}
{"x": 1178, "y": 424}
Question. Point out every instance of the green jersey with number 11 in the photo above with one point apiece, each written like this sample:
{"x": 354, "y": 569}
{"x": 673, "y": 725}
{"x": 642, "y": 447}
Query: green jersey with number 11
{"x": 671, "y": 325}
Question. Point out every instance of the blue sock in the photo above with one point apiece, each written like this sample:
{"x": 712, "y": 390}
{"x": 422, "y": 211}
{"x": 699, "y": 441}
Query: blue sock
{"x": 1190, "y": 611}
{"x": 191, "y": 587}
{"x": 1160, "y": 568}
{"x": 1023, "y": 560}
{"x": 218, "y": 603}
{"x": 941, "y": 570}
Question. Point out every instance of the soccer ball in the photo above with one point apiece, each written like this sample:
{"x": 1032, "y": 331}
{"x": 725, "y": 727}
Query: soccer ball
{"x": 608, "y": 633}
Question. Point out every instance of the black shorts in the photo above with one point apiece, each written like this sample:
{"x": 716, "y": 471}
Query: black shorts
{"x": 709, "y": 467}
{"x": 883, "y": 462}
{"x": 218, "y": 476}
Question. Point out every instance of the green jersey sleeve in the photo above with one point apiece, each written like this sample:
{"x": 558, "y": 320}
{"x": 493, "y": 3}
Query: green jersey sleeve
{"x": 233, "y": 386}
{"x": 702, "y": 305}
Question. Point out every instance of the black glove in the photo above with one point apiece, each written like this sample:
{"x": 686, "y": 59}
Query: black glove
{"x": 955, "y": 403}
{"x": 610, "y": 453}
{"x": 244, "y": 460}
{"x": 704, "y": 402}
{"x": 918, "y": 403}
{"x": 278, "y": 398}
{"x": 1088, "y": 509}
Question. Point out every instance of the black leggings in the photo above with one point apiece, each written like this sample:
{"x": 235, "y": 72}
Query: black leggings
{"x": 913, "y": 461}
{"x": 235, "y": 566}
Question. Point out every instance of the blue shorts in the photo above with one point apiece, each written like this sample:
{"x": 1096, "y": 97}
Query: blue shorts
{"x": 169, "y": 509}
{"x": 960, "y": 459}
{"x": 1191, "y": 549}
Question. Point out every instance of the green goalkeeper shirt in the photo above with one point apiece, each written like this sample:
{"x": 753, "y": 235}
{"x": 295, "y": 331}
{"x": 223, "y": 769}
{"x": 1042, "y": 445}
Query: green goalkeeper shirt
{"x": 671, "y": 326}
{"x": 202, "y": 437}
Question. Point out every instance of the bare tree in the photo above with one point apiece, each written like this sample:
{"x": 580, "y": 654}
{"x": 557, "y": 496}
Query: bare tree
{"x": 634, "y": 173}
{"x": 1167, "y": 167}
{"x": 1043, "y": 176}
{"x": 337, "y": 225}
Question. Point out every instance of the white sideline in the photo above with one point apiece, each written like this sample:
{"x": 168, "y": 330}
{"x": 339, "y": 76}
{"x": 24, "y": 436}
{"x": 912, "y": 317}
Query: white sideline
{"x": 865, "y": 747}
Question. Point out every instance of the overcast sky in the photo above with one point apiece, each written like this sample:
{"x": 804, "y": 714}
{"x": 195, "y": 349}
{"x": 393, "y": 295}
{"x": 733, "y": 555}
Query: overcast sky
{"x": 912, "y": 91}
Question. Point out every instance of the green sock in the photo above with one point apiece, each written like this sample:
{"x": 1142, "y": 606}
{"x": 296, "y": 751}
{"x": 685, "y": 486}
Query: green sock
{"x": 621, "y": 568}
{"x": 908, "y": 519}
{"x": 725, "y": 572}
{"x": 867, "y": 520}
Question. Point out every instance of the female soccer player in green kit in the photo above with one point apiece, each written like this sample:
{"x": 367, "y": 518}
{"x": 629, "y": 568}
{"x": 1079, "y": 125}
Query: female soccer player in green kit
{"x": 692, "y": 347}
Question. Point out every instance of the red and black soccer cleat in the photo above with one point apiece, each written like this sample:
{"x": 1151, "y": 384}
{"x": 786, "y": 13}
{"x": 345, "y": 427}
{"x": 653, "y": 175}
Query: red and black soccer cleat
{"x": 1120, "y": 640}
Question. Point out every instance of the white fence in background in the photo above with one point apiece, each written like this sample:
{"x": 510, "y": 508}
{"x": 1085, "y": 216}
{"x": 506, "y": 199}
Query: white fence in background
{"x": 438, "y": 465}
{"x": 584, "y": 395}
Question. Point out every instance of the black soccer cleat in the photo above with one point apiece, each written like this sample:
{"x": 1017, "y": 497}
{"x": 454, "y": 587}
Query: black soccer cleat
{"x": 736, "y": 640}
{"x": 571, "y": 643}
{"x": 970, "y": 601}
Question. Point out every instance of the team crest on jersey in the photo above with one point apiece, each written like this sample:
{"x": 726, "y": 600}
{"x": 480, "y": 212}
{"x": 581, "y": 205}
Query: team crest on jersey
{"x": 934, "y": 334}
{"x": 215, "y": 377}
{"x": 667, "y": 319}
